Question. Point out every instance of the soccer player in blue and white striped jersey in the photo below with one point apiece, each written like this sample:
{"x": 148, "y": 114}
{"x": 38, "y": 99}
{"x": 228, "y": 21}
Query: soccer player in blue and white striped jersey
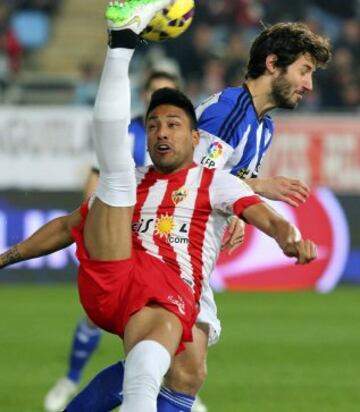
{"x": 236, "y": 130}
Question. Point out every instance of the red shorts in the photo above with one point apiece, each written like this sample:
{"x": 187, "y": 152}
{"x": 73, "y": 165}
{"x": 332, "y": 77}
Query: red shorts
{"x": 112, "y": 291}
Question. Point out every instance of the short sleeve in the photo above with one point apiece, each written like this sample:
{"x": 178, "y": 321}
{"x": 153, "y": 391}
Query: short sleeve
{"x": 230, "y": 195}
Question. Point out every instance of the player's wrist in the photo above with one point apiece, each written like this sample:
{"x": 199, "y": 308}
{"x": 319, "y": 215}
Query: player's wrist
{"x": 288, "y": 242}
{"x": 255, "y": 184}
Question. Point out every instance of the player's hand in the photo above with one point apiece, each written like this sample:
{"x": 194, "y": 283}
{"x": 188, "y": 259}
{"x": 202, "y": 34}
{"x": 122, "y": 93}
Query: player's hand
{"x": 235, "y": 235}
{"x": 292, "y": 191}
{"x": 304, "y": 250}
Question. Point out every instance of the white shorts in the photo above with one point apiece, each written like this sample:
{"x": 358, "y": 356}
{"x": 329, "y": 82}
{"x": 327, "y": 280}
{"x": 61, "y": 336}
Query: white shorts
{"x": 208, "y": 313}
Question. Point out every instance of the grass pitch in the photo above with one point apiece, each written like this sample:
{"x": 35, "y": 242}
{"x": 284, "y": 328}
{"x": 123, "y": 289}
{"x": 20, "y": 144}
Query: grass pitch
{"x": 287, "y": 352}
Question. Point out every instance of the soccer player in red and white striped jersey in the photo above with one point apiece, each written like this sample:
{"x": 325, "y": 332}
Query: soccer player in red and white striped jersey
{"x": 144, "y": 248}
{"x": 180, "y": 218}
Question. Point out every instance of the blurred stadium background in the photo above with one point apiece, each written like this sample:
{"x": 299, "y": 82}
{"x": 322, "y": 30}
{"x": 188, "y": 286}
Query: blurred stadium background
{"x": 292, "y": 351}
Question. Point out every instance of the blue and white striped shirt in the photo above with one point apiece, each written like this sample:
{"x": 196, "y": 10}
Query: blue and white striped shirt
{"x": 232, "y": 136}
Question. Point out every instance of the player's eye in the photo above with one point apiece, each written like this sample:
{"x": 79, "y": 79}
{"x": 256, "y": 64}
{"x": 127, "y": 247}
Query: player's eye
{"x": 304, "y": 71}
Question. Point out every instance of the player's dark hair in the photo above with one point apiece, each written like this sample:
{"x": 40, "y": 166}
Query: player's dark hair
{"x": 160, "y": 74}
{"x": 175, "y": 98}
{"x": 287, "y": 41}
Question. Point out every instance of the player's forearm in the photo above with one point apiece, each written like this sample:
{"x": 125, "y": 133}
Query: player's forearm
{"x": 50, "y": 238}
{"x": 271, "y": 223}
{"x": 285, "y": 233}
{"x": 10, "y": 257}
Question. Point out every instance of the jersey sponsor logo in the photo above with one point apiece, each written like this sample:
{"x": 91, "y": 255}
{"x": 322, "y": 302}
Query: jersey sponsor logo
{"x": 165, "y": 227}
{"x": 142, "y": 226}
{"x": 179, "y": 302}
{"x": 178, "y": 240}
{"x": 181, "y": 237}
{"x": 179, "y": 195}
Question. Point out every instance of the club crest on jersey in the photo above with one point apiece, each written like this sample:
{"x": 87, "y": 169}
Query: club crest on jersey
{"x": 179, "y": 195}
{"x": 164, "y": 226}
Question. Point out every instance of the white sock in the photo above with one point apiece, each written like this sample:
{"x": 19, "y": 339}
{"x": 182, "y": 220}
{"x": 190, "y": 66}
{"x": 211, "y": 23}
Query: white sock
{"x": 145, "y": 367}
{"x": 117, "y": 186}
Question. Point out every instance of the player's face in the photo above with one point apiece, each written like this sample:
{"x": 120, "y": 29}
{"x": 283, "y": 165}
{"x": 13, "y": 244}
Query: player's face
{"x": 157, "y": 84}
{"x": 171, "y": 140}
{"x": 289, "y": 86}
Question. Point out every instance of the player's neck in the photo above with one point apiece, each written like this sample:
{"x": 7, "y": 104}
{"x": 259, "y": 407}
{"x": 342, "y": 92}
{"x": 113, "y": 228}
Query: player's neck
{"x": 171, "y": 170}
{"x": 260, "y": 90}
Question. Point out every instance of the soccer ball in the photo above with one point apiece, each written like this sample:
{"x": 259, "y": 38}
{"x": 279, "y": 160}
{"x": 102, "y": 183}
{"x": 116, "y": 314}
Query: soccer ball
{"x": 170, "y": 22}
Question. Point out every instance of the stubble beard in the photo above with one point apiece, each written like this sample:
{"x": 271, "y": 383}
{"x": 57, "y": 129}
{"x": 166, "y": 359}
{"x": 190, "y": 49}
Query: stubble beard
{"x": 165, "y": 166}
{"x": 280, "y": 94}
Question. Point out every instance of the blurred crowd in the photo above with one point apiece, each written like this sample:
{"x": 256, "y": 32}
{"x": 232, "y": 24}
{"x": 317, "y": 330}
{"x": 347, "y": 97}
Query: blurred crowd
{"x": 11, "y": 47}
{"x": 46, "y": 6}
{"x": 213, "y": 53}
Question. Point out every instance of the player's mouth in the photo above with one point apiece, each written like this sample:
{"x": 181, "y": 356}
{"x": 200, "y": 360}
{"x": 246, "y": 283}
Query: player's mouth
{"x": 163, "y": 148}
{"x": 300, "y": 93}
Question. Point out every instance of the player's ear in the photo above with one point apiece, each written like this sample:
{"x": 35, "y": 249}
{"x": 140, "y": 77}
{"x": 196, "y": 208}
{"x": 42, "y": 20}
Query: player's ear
{"x": 271, "y": 63}
{"x": 195, "y": 137}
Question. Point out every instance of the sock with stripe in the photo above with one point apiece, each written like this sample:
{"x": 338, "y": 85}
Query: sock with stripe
{"x": 171, "y": 401}
{"x": 85, "y": 341}
{"x": 104, "y": 393}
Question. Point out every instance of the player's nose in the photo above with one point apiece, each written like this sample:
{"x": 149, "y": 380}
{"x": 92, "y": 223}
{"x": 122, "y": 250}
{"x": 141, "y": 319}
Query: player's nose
{"x": 162, "y": 132}
{"x": 308, "y": 84}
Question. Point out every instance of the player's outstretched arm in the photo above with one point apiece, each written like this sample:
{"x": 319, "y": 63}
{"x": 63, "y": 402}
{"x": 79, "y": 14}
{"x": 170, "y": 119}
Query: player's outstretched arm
{"x": 292, "y": 191}
{"x": 51, "y": 237}
{"x": 287, "y": 235}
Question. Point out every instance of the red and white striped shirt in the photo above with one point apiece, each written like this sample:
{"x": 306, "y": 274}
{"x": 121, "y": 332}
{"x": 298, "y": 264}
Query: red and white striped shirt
{"x": 180, "y": 218}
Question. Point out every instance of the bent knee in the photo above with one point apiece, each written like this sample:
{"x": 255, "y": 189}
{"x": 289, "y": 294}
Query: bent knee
{"x": 187, "y": 379}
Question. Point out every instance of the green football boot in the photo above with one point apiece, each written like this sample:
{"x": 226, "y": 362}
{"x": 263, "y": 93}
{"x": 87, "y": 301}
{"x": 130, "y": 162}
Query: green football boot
{"x": 133, "y": 14}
